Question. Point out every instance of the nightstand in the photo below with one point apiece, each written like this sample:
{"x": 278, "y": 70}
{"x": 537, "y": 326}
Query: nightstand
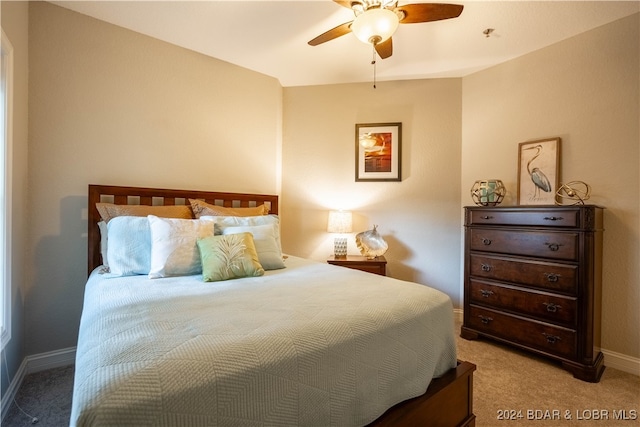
{"x": 376, "y": 265}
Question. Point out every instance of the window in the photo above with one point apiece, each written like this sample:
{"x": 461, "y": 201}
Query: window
{"x": 6, "y": 72}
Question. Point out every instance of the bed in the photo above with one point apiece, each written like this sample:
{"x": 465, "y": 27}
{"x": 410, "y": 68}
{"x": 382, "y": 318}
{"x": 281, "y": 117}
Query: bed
{"x": 305, "y": 343}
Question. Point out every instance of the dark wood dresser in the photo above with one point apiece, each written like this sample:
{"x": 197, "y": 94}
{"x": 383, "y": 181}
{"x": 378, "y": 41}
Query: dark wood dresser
{"x": 532, "y": 279}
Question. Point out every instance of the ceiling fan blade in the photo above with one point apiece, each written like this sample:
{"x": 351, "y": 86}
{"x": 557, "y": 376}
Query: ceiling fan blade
{"x": 427, "y": 12}
{"x": 333, "y": 33}
{"x": 385, "y": 49}
{"x": 344, "y": 3}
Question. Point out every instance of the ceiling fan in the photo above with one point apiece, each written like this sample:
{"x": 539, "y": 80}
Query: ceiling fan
{"x": 376, "y": 21}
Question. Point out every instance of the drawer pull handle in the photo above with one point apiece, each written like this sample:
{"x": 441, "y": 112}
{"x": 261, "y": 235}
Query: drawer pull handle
{"x": 551, "y": 339}
{"x": 486, "y": 242}
{"x": 485, "y": 319}
{"x": 486, "y": 217}
{"x": 486, "y": 267}
{"x": 553, "y": 246}
{"x": 551, "y": 307}
{"x": 553, "y": 218}
{"x": 552, "y": 277}
{"x": 486, "y": 293}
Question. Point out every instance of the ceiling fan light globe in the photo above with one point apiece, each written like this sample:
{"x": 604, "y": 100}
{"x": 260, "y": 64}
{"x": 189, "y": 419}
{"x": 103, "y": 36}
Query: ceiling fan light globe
{"x": 368, "y": 141}
{"x": 375, "y": 25}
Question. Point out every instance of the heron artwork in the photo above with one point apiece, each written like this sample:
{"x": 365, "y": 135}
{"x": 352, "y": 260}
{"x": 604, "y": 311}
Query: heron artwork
{"x": 540, "y": 180}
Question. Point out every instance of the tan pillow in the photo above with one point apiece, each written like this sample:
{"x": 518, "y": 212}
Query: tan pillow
{"x": 110, "y": 210}
{"x": 201, "y": 208}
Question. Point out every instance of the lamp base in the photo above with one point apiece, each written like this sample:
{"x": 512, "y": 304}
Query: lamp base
{"x": 340, "y": 247}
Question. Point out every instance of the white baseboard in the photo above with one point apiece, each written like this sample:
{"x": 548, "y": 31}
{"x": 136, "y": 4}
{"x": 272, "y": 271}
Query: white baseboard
{"x": 621, "y": 362}
{"x": 36, "y": 363}
{"x": 12, "y": 390}
{"x": 51, "y": 359}
{"x": 458, "y": 314}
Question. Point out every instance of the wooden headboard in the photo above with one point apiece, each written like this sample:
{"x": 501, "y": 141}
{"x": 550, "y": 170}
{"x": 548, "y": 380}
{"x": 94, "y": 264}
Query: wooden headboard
{"x": 158, "y": 197}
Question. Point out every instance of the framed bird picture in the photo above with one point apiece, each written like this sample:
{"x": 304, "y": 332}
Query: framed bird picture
{"x": 538, "y": 171}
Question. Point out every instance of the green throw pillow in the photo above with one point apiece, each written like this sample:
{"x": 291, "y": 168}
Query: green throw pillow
{"x": 229, "y": 257}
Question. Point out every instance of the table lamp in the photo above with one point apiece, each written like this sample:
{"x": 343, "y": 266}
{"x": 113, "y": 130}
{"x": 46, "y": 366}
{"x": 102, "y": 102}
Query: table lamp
{"x": 340, "y": 222}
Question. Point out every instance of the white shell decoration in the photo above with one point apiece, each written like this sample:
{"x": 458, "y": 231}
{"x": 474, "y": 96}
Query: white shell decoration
{"x": 371, "y": 243}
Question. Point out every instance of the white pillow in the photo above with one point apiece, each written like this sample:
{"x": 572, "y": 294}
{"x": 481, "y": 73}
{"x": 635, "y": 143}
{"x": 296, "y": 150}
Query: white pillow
{"x": 128, "y": 251}
{"x": 222, "y": 222}
{"x": 174, "y": 250}
{"x": 264, "y": 239}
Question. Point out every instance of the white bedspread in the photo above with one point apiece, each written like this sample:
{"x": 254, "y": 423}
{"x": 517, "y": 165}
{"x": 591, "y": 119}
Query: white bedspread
{"x": 309, "y": 345}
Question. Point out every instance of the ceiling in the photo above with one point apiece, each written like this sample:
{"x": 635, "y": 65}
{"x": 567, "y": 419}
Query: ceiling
{"x": 271, "y": 37}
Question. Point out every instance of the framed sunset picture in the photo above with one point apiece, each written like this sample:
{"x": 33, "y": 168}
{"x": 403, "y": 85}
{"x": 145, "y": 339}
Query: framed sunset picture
{"x": 378, "y": 152}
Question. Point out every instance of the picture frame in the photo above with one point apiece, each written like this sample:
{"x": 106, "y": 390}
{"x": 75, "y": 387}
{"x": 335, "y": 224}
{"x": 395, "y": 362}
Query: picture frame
{"x": 378, "y": 149}
{"x": 538, "y": 171}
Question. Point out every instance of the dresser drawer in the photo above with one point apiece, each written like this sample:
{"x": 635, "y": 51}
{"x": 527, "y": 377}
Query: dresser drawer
{"x": 538, "y": 217}
{"x": 554, "y": 340}
{"x": 544, "y": 275}
{"x": 553, "y": 308}
{"x": 552, "y": 245}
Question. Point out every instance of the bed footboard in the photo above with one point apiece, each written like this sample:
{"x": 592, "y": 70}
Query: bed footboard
{"x": 448, "y": 402}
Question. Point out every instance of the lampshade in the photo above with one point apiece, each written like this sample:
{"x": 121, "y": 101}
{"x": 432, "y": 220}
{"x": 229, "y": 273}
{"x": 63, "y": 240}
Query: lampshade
{"x": 339, "y": 222}
{"x": 375, "y": 25}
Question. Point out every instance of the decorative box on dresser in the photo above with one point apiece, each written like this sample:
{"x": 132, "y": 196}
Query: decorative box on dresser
{"x": 532, "y": 279}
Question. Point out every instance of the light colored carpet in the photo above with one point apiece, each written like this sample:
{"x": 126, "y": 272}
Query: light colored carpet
{"x": 529, "y": 391}
{"x": 507, "y": 382}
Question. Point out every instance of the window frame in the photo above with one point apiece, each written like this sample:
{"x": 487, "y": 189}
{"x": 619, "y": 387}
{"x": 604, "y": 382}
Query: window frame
{"x": 6, "y": 152}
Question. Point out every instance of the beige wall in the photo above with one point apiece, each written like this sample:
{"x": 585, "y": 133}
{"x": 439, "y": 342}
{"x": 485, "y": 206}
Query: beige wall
{"x": 110, "y": 106}
{"x": 584, "y": 90}
{"x": 15, "y": 25}
{"x": 419, "y": 216}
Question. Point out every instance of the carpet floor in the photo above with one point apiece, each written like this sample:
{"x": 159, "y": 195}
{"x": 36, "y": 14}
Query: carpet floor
{"x": 511, "y": 388}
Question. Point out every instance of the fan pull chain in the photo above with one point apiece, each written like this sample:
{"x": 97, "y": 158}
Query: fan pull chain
{"x": 373, "y": 62}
